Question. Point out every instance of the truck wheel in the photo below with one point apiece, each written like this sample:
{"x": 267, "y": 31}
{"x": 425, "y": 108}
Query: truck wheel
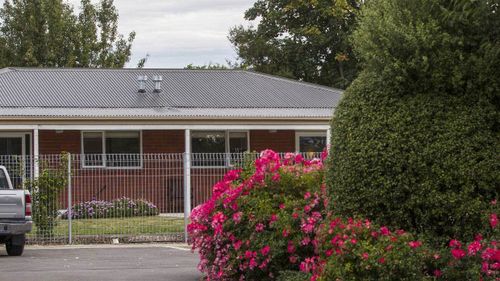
{"x": 16, "y": 247}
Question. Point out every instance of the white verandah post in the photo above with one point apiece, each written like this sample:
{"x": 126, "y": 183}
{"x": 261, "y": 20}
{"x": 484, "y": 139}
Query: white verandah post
{"x": 36, "y": 152}
{"x": 187, "y": 181}
{"x": 328, "y": 138}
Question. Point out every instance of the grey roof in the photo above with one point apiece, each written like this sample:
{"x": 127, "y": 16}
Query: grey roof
{"x": 153, "y": 113}
{"x": 80, "y": 92}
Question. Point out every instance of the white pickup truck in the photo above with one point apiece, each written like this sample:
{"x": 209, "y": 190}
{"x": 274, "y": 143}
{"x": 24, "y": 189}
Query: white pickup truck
{"x": 15, "y": 215}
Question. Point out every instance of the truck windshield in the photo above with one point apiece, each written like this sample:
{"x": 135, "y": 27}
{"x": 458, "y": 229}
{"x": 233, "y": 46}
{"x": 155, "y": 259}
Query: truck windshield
{"x": 3, "y": 180}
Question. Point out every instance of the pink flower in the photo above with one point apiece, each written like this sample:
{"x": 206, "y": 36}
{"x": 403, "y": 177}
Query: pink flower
{"x": 274, "y": 218}
{"x": 455, "y": 244}
{"x": 457, "y": 253}
{"x": 265, "y": 251}
{"x": 473, "y": 248}
{"x": 237, "y": 245}
{"x": 305, "y": 241}
{"x": 259, "y": 227}
{"x": 276, "y": 177}
{"x": 282, "y": 206}
{"x": 285, "y": 233}
{"x": 385, "y": 231}
{"x": 415, "y": 244}
{"x": 381, "y": 260}
{"x": 478, "y": 237}
{"x": 307, "y": 195}
{"x": 290, "y": 248}
{"x": 237, "y": 217}
{"x": 400, "y": 232}
{"x": 250, "y": 254}
{"x": 493, "y": 220}
{"x": 437, "y": 273}
{"x": 293, "y": 259}
{"x": 365, "y": 256}
{"x": 253, "y": 263}
{"x": 485, "y": 267}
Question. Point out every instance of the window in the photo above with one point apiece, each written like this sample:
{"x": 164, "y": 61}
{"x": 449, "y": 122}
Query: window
{"x": 93, "y": 149}
{"x": 310, "y": 143}
{"x": 4, "y": 184}
{"x": 218, "y": 148}
{"x": 111, "y": 149}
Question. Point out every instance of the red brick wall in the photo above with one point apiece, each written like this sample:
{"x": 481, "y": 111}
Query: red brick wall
{"x": 163, "y": 141}
{"x": 279, "y": 141}
{"x": 161, "y": 179}
{"x": 53, "y": 142}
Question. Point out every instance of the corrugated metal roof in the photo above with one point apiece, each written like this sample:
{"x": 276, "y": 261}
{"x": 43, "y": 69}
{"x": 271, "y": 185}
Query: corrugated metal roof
{"x": 108, "y": 92}
{"x": 167, "y": 112}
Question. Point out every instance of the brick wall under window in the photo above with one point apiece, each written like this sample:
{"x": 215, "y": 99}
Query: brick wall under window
{"x": 279, "y": 141}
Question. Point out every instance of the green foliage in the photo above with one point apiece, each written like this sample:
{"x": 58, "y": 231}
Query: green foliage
{"x": 306, "y": 39}
{"x": 48, "y": 33}
{"x": 207, "y": 66}
{"x": 290, "y": 275}
{"x": 415, "y": 139}
{"x": 45, "y": 192}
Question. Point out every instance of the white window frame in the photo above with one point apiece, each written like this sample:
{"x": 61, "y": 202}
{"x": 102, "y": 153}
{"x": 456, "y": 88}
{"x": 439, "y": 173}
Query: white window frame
{"x": 104, "y": 160}
{"x": 21, "y": 135}
{"x": 299, "y": 134}
{"x": 227, "y": 162}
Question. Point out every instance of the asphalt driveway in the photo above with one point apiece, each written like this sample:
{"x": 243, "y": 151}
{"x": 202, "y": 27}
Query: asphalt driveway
{"x": 143, "y": 262}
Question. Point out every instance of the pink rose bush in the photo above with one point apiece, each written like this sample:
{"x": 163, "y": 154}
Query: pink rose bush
{"x": 262, "y": 220}
{"x": 271, "y": 221}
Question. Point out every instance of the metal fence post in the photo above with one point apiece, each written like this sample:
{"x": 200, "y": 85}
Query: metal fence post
{"x": 187, "y": 193}
{"x": 70, "y": 215}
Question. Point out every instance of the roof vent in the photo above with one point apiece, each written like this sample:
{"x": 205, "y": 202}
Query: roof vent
{"x": 157, "y": 80}
{"x": 142, "y": 83}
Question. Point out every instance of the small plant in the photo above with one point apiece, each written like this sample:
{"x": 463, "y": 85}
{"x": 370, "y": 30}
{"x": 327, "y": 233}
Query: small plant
{"x": 118, "y": 208}
{"x": 45, "y": 191}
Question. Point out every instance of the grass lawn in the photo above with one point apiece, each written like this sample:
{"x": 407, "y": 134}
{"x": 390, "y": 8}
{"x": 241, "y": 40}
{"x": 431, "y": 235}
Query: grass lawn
{"x": 116, "y": 226}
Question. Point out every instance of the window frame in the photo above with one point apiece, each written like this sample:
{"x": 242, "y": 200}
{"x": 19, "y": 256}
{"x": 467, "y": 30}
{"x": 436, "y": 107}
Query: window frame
{"x": 227, "y": 147}
{"x": 104, "y": 158}
{"x": 299, "y": 134}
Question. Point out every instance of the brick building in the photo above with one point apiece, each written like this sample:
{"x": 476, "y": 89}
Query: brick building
{"x": 114, "y": 119}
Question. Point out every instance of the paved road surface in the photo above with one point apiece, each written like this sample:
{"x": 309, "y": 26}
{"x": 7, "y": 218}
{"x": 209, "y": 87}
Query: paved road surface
{"x": 100, "y": 263}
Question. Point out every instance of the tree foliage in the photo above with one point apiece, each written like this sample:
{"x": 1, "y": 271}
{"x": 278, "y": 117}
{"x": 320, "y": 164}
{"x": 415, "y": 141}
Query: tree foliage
{"x": 415, "y": 139}
{"x": 48, "y": 33}
{"x": 305, "y": 39}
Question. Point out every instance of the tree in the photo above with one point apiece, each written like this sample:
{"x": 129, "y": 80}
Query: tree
{"x": 415, "y": 139}
{"x": 207, "y": 66}
{"x": 306, "y": 39}
{"x": 48, "y": 33}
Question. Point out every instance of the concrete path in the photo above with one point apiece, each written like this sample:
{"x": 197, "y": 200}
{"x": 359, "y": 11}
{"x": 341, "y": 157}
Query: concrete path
{"x": 102, "y": 263}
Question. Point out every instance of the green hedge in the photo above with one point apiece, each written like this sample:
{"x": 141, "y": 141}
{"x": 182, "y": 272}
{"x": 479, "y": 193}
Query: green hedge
{"x": 415, "y": 140}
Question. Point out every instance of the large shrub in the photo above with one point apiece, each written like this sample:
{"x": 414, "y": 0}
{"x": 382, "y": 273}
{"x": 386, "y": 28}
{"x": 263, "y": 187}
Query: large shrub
{"x": 415, "y": 139}
{"x": 258, "y": 225}
{"x": 270, "y": 221}
{"x": 359, "y": 250}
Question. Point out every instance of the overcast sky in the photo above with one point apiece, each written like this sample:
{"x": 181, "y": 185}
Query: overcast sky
{"x": 176, "y": 33}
